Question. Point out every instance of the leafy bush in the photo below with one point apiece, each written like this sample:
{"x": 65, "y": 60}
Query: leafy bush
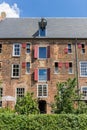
{"x": 27, "y": 105}
{"x": 43, "y": 122}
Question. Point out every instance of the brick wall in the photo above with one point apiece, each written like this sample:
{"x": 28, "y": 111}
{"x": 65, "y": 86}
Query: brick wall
{"x": 57, "y": 54}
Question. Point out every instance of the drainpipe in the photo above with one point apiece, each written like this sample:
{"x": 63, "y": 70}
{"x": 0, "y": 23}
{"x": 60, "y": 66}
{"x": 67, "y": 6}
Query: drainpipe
{"x": 76, "y": 60}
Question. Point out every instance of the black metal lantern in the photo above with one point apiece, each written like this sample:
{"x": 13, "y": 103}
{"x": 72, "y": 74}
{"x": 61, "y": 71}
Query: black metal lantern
{"x": 42, "y": 23}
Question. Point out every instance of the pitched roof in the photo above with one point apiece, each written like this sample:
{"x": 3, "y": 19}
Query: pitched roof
{"x": 56, "y": 28}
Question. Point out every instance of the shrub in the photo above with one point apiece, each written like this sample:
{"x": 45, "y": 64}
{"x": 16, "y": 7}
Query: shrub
{"x": 43, "y": 122}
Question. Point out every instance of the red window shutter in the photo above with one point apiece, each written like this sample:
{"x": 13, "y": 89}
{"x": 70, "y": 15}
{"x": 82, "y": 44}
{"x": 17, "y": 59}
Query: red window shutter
{"x": 23, "y": 45}
{"x": 23, "y": 64}
{"x": 48, "y": 74}
{"x": 67, "y": 65}
{"x": 66, "y": 50}
{"x": 36, "y": 74}
{"x": 60, "y": 64}
{"x": 79, "y": 46}
{"x": 48, "y": 52}
{"x": 35, "y": 51}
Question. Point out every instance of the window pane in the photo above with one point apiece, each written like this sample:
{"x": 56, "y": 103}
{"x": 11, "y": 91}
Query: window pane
{"x": 56, "y": 67}
{"x": 42, "y": 52}
{"x": 28, "y": 67}
{"x": 84, "y": 91}
{"x": 42, "y": 32}
{"x": 42, "y": 74}
{"x": 69, "y": 48}
{"x": 20, "y": 92}
{"x": 15, "y": 71}
{"x": 0, "y": 48}
{"x": 40, "y": 90}
{"x": 16, "y": 49}
{"x": 83, "y": 69}
{"x": 28, "y": 48}
{"x": 44, "y": 90}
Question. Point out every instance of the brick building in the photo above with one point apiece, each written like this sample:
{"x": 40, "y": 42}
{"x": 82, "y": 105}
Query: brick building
{"x": 37, "y": 53}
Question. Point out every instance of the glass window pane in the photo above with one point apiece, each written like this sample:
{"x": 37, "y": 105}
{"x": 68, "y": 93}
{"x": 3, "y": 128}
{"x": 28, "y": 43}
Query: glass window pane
{"x": 42, "y": 52}
{"x": 42, "y": 74}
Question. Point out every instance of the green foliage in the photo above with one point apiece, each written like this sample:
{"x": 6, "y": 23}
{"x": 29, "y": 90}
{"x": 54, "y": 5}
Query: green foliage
{"x": 6, "y": 110}
{"x": 43, "y": 122}
{"x": 66, "y": 97}
{"x": 26, "y": 105}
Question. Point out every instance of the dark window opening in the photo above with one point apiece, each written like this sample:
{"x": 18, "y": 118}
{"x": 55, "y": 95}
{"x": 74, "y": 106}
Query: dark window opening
{"x": 0, "y": 48}
{"x": 83, "y": 48}
{"x": 56, "y": 67}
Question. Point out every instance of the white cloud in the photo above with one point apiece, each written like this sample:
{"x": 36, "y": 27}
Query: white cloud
{"x": 11, "y": 11}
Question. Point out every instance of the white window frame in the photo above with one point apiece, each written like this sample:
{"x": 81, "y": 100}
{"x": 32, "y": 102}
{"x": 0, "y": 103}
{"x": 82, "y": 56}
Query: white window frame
{"x": 46, "y": 53}
{"x": 19, "y": 88}
{"x": 29, "y": 68}
{"x": 12, "y": 71}
{"x": 38, "y": 75}
{"x": 42, "y": 90}
{"x": 28, "y": 48}
{"x": 14, "y": 49}
{"x": 80, "y": 68}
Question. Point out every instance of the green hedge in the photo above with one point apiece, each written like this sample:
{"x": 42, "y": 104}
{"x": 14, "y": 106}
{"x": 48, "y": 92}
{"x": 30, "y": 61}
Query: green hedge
{"x": 43, "y": 122}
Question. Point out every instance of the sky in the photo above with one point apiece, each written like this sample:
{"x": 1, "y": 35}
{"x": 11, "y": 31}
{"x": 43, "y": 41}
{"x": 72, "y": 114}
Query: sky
{"x": 44, "y": 8}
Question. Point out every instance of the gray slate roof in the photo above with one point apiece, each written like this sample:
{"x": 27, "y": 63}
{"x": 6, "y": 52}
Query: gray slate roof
{"x": 56, "y": 28}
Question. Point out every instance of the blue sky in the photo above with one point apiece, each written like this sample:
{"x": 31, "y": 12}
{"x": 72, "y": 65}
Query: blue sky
{"x": 50, "y": 8}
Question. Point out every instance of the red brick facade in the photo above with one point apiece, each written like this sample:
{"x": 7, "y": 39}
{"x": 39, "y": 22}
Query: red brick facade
{"x": 57, "y": 53}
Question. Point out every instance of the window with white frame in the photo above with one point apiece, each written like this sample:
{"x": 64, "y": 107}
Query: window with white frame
{"x": 56, "y": 67}
{"x": 42, "y": 75}
{"x": 83, "y": 69}
{"x": 20, "y": 92}
{"x": 42, "y": 52}
{"x": 16, "y": 49}
{"x": 84, "y": 90}
{"x": 28, "y": 48}
{"x": 42, "y": 90}
{"x": 1, "y": 94}
{"x": 15, "y": 70}
{"x": 70, "y": 70}
{"x": 27, "y": 67}
{"x": 0, "y": 48}
{"x": 69, "y": 48}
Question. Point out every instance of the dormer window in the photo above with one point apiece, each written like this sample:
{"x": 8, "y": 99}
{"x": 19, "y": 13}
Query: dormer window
{"x": 42, "y": 32}
{"x": 42, "y": 27}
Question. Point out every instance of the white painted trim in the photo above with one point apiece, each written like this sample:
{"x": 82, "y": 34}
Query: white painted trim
{"x": 80, "y": 68}
{"x": 42, "y": 90}
{"x": 12, "y": 71}
{"x": 19, "y": 49}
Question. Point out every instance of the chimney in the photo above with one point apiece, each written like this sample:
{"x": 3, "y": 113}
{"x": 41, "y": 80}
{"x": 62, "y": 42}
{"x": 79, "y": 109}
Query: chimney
{"x": 2, "y": 16}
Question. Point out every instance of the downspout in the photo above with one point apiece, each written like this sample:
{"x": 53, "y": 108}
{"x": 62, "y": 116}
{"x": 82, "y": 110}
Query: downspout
{"x": 76, "y": 60}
